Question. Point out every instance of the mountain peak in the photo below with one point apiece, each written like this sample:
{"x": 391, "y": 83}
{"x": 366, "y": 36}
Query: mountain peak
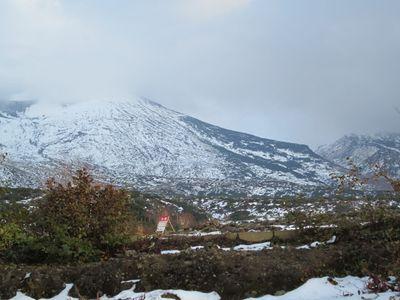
{"x": 142, "y": 143}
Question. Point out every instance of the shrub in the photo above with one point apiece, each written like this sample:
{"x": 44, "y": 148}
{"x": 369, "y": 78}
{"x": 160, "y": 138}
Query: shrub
{"x": 77, "y": 221}
{"x": 14, "y": 229}
{"x": 83, "y": 210}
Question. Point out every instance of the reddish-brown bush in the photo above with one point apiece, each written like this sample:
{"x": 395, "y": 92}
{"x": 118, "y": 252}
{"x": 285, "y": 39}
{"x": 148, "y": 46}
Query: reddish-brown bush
{"x": 82, "y": 210}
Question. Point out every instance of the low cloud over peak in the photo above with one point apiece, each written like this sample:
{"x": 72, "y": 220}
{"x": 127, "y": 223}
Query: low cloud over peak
{"x": 305, "y": 73}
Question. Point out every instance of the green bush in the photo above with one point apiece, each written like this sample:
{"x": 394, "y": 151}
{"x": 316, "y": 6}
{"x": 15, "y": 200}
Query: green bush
{"x": 77, "y": 221}
{"x": 10, "y": 233}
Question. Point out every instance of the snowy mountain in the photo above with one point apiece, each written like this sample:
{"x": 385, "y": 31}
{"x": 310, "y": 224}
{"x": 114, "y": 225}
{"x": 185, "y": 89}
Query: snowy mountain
{"x": 144, "y": 144}
{"x": 366, "y": 151}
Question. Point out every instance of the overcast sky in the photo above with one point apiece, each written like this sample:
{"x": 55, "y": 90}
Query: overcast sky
{"x": 302, "y": 71}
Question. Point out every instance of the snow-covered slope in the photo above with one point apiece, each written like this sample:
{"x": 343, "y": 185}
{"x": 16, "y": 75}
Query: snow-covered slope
{"x": 145, "y": 144}
{"x": 366, "y": 151}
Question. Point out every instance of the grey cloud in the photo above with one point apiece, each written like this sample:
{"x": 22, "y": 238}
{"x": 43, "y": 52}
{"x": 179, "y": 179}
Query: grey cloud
{"x": 305, "y": 71}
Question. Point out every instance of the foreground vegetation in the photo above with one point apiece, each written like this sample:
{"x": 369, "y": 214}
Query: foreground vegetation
{"x": 76, "y": 221}
{"x": 80, "y": 220}
{"x": 94, "y": 235}
{"x": 360, "y": 250}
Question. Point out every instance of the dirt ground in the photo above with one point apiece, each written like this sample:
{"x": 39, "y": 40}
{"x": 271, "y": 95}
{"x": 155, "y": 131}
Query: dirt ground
{"x": 234, "y": 275}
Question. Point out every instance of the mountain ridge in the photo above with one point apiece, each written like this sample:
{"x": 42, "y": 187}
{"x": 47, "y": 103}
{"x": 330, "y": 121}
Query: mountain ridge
{"x": 366, "y": 151}
{"x": 127, "y": 141}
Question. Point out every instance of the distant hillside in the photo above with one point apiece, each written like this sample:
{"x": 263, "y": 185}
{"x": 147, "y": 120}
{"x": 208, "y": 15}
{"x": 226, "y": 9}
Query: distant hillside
{"x": 366, "y": 151}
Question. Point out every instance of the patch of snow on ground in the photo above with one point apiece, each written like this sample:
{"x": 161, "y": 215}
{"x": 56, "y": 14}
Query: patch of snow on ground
{"x": 347, "y": 288}
{"x": 131, "y": 294}
{"x": 196, "y": 247}
{"x": 253, "y": 247}
{"x": 157, "y": 295}
{"x": 63, "y": 295}
{"x": 199, "y": 233}
{"x": 21, "y": 296}
{"x": 317, "y": 244}
{"x": 331, "y": 240}
{"x": 170, "y": 251}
